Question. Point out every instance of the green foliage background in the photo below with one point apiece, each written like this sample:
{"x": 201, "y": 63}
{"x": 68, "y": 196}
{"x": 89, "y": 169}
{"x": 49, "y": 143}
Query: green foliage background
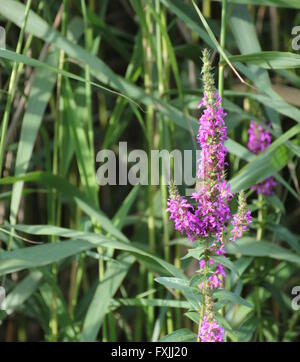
{"x": 80, "y": 76}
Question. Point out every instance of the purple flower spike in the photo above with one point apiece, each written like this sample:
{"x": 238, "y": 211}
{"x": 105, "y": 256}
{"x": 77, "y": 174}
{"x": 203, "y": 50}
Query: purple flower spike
{"x": 207, "y": 215}
{"x": 259, "y": 140}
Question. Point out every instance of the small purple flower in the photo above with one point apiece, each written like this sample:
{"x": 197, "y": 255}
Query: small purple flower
{"x": 184, "y": 219}
{"x": 210, "y": 331}
{"x": 217, "y": 278}
{"x": 259, "y": 140}
{"x": 212, "y": 208}
{"x": 266, "y": 187}
{"x": 240, "y": 224}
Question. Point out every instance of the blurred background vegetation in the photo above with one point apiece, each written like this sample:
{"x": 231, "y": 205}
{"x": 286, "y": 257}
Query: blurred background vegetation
{"x": 81, "y": 76}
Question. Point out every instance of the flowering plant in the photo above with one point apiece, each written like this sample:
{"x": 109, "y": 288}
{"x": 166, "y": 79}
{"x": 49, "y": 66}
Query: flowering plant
{"x": 206, "y": 217}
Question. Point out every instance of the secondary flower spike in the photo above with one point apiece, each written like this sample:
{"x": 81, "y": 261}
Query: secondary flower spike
{"x": 259, "y": 140}
{"x": 241, "y": 219}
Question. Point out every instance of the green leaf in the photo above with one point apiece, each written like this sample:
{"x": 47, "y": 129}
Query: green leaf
{"x": 193, "y": 316}
{"x": 285, "y": 235}
{"x": 250, "y": 246}
{"x": 36, "y": 256}
{"x": 269, "y": 59}
{"x": 194, "y": 253}
{"x": 109, "y": 34}
{"x": 232, "y": 297}
{"x": 44, "y": 254}
{"x": 70, "y": 192}
{"x": 106, "y": 289}
{"x": 283, "y": 182}
{"x": 84, "y": 157}
{"x": 37, "y": 103}
{"x": 176, "y": 283}
{"x": 277, "y": 104}
{"x": 119, "y": 217}
{"x": 181, "y": 335}
{"x": 22, "y": 291}
{"x": 188, "y": 16}
{"x": 143, "y": 302}
{"x": 226, "y": 262}
{"x": 191, "y": 293}
{"x": 244, "y": 32}
{"x": 44, "y": 81}
{"x": 280, "y": 3}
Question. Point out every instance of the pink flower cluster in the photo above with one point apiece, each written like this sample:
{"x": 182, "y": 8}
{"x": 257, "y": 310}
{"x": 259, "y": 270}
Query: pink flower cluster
{"x": 182, "y": 213}
{"x": 240, "y": 224}
{"x": 211, "y": 137}
{"x": 259, "y": 140}
{"x": 213, "y": 192}
{"x": 211, "y": 331}
{"x": 211, "y": 213}
{"x": 216, "y": 279}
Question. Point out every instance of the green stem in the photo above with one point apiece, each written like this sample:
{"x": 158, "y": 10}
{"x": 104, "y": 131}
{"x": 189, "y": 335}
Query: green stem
{"x": 177, "y": 293}
{"x": 13, "y": 215}
{"x": 55, "y": 208}
{"x": 112, "y": 327}
{"x": 206, "y": 8}
{"x": 78, "y": 279}
{"x": 260, "y": 218}
{"x": 138, "y": 333}
{"x": 12, "y": 87}
{"x": 204, "y": 291}
{"x": 162, "y": 71}
{"x": 101, "y": 277}
{"x": 148, "y": 72}
{"x": 88, "y": 36}
{"x": 88, "y": 88}
{"x": 222, "y": 44}
{"x": 259, "y": 236}
{"x": 150, "y": 134}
